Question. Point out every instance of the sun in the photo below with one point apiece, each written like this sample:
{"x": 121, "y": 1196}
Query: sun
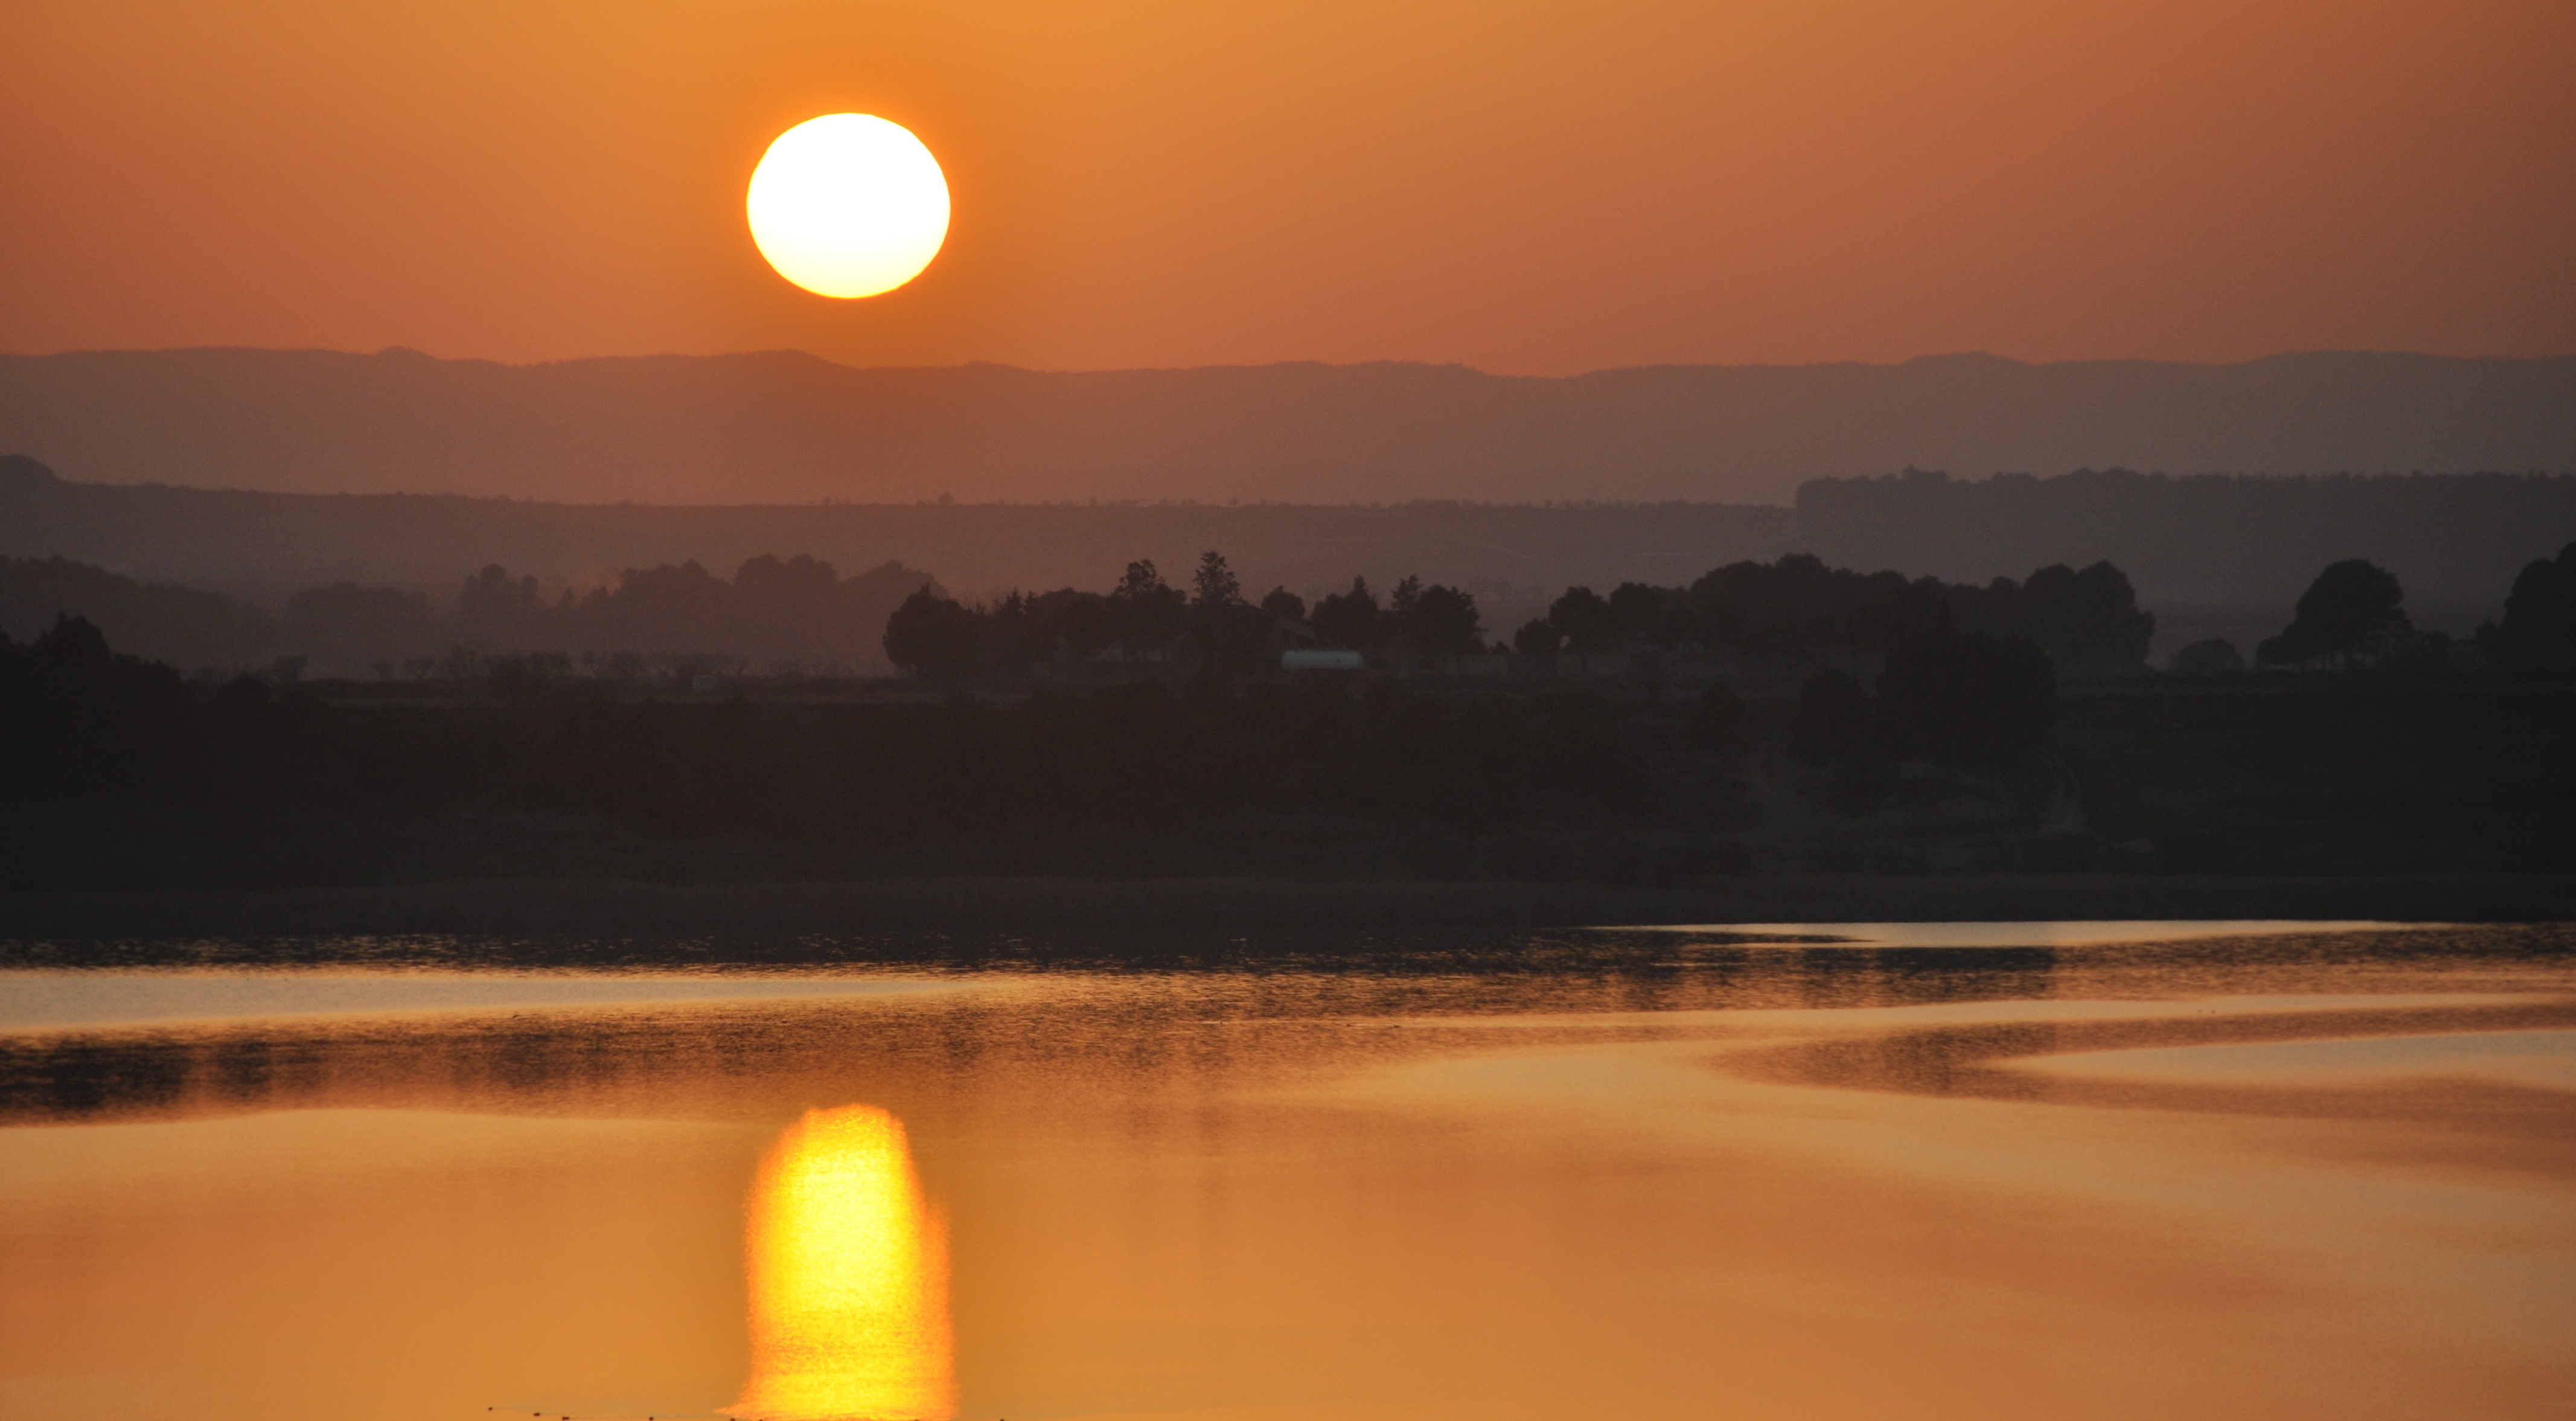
{"x": 848, "y": 205}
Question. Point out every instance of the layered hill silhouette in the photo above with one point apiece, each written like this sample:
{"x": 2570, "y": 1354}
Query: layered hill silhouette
{"x": 2213, "y": 555}
{"x": 266, "y": 546}
{"x": 783, "y": 427}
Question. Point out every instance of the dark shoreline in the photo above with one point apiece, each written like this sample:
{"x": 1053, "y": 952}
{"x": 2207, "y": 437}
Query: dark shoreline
{"x": 64, "y": 927}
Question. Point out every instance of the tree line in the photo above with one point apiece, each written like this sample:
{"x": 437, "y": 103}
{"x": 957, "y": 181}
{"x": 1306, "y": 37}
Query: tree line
{"x": 799, "y": 616}
{"x": 1793, "y": 608}
{"x": 83, "y": 724}
{"x": 1144, "y": 619}
{"x": 1797, "y": 605}
{"x": 2083, "y": 621}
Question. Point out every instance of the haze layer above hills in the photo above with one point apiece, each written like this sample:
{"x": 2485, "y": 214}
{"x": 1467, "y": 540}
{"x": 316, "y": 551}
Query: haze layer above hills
{"x": 784, "y": 427}
{"x": 2211, "y": 554}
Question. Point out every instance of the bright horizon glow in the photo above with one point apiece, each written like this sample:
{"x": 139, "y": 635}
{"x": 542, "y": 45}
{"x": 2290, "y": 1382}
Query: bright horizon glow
{"x": 849, "y": 1277}
{"x": 848, "y": 205}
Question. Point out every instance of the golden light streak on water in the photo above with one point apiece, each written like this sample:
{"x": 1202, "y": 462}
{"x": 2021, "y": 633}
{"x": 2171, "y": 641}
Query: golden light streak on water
{"x": 849, "y": 1278}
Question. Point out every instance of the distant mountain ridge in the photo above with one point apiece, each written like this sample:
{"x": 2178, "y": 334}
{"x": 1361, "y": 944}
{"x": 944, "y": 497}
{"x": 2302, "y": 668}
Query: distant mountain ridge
{"x": 783, "y": 427}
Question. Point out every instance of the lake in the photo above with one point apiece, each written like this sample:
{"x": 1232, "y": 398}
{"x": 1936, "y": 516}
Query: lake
{"x": 1764, "y": 1171}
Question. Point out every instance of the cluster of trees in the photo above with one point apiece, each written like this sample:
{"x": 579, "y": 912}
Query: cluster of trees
{"x": 1798, "y": 605}
{"x": 1791, "y": 608}
{"x": 2354, "y": 614}
{"x": 1143, "y": 618}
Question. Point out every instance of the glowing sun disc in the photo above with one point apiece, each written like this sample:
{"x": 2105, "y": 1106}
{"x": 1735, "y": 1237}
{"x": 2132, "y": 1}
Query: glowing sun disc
{"x": 848, "y": 205}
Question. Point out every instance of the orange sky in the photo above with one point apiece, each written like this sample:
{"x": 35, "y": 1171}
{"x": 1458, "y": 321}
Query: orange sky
{"x": 1525, "y": 187}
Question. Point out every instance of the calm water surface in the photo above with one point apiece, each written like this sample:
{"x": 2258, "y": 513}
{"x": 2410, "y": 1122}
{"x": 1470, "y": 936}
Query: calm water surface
{"x": 2027, "y": 1170}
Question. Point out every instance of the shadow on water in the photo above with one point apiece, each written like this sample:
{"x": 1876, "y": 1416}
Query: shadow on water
{"x": 1993, "y": 1061}
{"x": 1187, "y": 1012}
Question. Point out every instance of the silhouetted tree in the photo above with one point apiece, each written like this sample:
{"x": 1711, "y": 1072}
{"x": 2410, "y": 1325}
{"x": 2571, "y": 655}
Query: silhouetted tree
{"x": 2087, "y": 619}
{"x": 1145, "y": 616}
{"x": 671, "y": 609}
{"x": 1583, "y": 617}
{"x": 1063, "y": 624}
{"x": 1284, "y": 604}
{"x": 772, "y": 580}
{"x": 1435, "y": 620}
{"x": 1637, "y": 612}
{"x": 2539, "y": 630}
{"x": 1537, "y": 637}
{"x": 1231, "y": 637}
{"x": 1215, "y": 585}
{"x": 933, "y": 637}
{"x": 73, "y": 646}
{"x": 1399, "y": 603}
{"x": 2351, "y": 604}
{"x": 1350, "y": 619}
{"x": 1799, "y": 605}
{"x": 496, "y": 610}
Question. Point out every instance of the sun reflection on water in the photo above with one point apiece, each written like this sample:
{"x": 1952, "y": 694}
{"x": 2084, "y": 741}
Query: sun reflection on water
{"x": 849, "y": 1277}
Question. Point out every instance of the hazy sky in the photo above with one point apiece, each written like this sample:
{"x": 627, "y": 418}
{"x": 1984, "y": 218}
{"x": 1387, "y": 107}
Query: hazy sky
{"x": 1524, "y": 187}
